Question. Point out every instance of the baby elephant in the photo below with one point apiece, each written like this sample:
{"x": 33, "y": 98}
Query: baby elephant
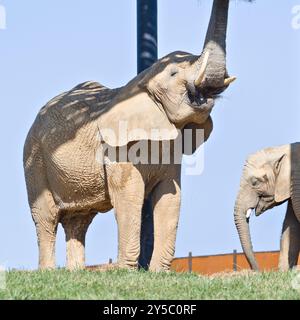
{"x": 271, "y": 177}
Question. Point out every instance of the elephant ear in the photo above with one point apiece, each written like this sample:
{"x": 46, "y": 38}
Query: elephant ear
{"x": 282, "y": 169}
{"x": 133, "y": 119}
{"x": 189, "y": 132}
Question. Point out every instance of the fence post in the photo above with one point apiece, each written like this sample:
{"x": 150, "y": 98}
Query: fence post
{"x": 190, "y": 262}
{"x": 234, "y": 260}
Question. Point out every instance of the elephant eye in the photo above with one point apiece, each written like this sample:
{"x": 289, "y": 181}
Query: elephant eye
{"x": 254, "y": 182}
{"x": 173, "y": 72}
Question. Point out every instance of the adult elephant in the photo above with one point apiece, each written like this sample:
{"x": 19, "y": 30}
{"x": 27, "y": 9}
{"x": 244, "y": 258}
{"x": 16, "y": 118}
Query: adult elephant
{"x": 66, "y": 182}
{"x": 271, "y": 177}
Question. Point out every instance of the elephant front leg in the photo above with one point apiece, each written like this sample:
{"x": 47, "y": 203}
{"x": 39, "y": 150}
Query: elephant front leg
{"x": 166, "y": 202}
{"x": 128, "y": 203}
{"x": 290, "y": 240}
{"x": 76, "y": 226}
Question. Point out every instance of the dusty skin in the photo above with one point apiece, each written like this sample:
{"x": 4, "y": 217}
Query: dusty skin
{"x": 67, "y": 185}
{"x": 270, "y": 177}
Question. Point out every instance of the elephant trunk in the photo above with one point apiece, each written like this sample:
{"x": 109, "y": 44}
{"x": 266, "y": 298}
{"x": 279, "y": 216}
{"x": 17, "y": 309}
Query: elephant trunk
{"x": 242, "y": 226}
{"x": 214, "y": 49}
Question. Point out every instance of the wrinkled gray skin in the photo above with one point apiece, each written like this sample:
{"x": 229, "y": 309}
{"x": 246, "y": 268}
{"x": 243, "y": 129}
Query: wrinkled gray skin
{"x": 67, "y": 184}
{"x": 271, "y": 177}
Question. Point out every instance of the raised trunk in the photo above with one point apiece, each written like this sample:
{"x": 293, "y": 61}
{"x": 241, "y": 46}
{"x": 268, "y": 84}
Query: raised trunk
{"x": 295, "y": 178}
{"x": 215, "y": 44}
{"x": 242, "y": 226}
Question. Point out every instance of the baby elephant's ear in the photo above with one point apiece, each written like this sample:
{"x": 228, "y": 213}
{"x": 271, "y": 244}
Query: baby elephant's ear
{"x": 192, "y": 138}
{"x": 135, "y": 118}
{"x": 282, "y": 169}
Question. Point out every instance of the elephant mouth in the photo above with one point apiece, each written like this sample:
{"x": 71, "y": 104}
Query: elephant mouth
{"x": 197, "y": 100}
{"x": 264, "y": 203}
{"x": 260, "y": 208}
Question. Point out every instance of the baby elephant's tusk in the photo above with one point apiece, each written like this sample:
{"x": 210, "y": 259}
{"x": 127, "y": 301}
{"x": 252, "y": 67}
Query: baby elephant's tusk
{"x": 248, "y": 214}
{"x": 227, "y": 81}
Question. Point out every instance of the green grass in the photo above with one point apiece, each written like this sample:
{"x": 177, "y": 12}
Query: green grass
{"x": 121, "y": 284}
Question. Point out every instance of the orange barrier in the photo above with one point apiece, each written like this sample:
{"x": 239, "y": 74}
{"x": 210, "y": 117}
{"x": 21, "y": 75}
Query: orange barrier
{"x": 225, "y": 262}
{"x": 208, "y": 265}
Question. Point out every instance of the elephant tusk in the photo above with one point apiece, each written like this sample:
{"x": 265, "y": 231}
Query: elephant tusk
{"x": 199, "y": 80}
{"x": 227, "y": 81}
{"x": 248, "y": 214}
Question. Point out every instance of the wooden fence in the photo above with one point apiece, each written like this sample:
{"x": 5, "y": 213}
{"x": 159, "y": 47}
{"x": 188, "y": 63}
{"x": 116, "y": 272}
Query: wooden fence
{"x": 224, "y": 262}
{"x": 207, "y": 265}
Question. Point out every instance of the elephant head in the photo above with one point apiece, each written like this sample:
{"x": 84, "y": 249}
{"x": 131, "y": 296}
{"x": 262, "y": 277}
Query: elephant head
{"x": 179, "y": 89}
{"x": 270, "y": 177}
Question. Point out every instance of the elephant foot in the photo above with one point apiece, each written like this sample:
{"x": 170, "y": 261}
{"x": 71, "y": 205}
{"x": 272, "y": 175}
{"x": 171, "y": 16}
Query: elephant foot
{"x": 104, "y": 267}
{"x": 159, "y": 268}
{"x": 127, "y": 266}
{"x": 46, "y": 266}
{"x": 283, "y": 267}
{"x": 76, "y": 226}
{"x": 46, "y": 250}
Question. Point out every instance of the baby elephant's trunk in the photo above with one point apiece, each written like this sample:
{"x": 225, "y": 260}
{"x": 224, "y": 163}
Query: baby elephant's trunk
{"x": 242, "y": 226}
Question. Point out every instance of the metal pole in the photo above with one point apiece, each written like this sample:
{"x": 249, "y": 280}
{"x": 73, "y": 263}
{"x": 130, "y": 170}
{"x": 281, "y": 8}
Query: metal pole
{"x": 146, "y": 33}
{"x": 146, "y": 56}
{"x": 234, "y": 260}
{"x": 190, "y": 262}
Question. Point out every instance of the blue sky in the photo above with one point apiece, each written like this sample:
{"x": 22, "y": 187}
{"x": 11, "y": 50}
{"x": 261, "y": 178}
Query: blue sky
{"x": 50, "y": 46}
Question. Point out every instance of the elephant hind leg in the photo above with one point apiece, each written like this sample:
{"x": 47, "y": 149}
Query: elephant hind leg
{"x": 45, "y": 216}
{"x": 44, "y": 211}
{"x": 76, "y": 226}
{"x": 290, "y": 240}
